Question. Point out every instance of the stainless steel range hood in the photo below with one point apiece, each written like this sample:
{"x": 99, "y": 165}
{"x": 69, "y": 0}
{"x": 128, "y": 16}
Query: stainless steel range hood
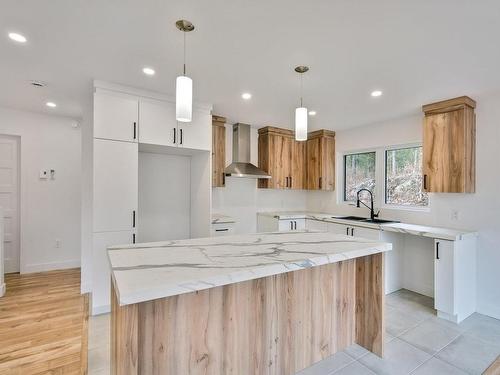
{"x": 241, "y": 166}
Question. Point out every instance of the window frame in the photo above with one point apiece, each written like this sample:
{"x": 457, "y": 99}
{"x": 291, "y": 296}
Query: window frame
{"x": 379, "y": 198}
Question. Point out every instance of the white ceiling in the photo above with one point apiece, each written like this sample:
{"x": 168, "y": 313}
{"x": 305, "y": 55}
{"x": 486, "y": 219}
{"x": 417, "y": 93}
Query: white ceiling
{"x": 415, "y": 51}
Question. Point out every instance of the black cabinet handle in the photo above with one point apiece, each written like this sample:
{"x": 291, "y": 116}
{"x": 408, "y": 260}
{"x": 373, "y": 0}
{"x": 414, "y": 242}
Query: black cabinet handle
{"x": 437, "y": 250}
{"x": 347, "y": 231}
{"x": 133, "y": 238}
{"x": 133, "y": 219}
{"x": 135, "y": 130}
{"x": 181, "y": 137}
{"x": 175, "y": 135}
{"x": 223, "y": 178}
{"x": 291, "y": 181}
{"x": 320, "y": 182}
{"x": 352, "y": 232}
{"x": 425, "y": 182}
{"x": 295, "y": 225}
{"x": 222, "y": 230}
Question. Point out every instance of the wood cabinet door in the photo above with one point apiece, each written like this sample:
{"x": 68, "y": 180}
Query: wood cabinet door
{"x": 218, "y": 154}
{"x": 157, "y": 122}
{"x": 444, "y": 152}
{"x": 274, "y": 158}
{"x": 298, "y": 165}
{"x": 115, "y": 116}
{"x": 313, "y": 164}
{"x": 327, "y": 163}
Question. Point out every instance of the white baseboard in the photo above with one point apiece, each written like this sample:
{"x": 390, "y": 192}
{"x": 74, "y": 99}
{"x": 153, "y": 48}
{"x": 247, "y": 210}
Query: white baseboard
{"x": 42, "y": 267}
{"x": 2, "y": 289}
{"x": 98, "y": 310}
{"x": 489, "y": 310}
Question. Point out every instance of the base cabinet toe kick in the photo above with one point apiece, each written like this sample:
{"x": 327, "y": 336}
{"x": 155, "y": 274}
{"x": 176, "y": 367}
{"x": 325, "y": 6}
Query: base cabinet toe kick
{"x": 277, "y": 324}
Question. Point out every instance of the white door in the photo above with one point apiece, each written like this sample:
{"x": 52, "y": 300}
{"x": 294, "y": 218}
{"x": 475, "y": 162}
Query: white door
{"x": 101, "y": 274}
{"x": 9, "y": 200}
{"x": 115, "y": 185}
{"x": 157, "y": 123}
{"x": 316, "y": 225}
{"x": 370, "y": 234}
{"x": 196, "y": 134}
{"x": 116, "y": 116}
{"x": 339, "y": 229}
{"x": 443, "y": 276}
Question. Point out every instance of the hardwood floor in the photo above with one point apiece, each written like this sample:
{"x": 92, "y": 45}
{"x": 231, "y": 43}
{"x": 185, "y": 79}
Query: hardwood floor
{"x": 44, "y": 324}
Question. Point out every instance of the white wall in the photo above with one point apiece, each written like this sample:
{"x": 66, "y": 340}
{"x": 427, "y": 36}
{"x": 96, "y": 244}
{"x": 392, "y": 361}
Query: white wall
{"x": 241, "y": 198}
{"x": 50, "y": 209}
{"x": 479, "y": 211}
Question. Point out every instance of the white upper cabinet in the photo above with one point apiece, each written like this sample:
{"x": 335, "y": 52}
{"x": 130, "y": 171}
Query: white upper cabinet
{"x": 157, "y": 123}
{"x": 116, "y": 116}
{"x": 196, "y": 134}
{"x": 115, "y": 185}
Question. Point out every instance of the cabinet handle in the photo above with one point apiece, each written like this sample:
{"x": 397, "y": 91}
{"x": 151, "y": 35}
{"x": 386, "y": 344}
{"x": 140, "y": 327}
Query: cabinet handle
{"x": 347, "y": 231}
{"x": 223, "y": 178}
{"x": 352, "y": 232}
{"x": 437, "y": 250}
{"x": 181, "y": 137}
{"x": 175, "y": 135}
{"x": 133, "y": 219}
{"x": 222, "y": 230}
{"x": 425, "y": 182}
{"x": 291, "y": 181}
{"x": 133, "y": 238}
{"x": 320, "y": 182}
{"x": 291, "y": 225}
{"x": 295, "y": 223}
{"x": 135, "y": 130}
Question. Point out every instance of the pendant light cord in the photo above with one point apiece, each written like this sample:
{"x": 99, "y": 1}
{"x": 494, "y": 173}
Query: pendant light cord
{"x": 184, "y": 71}
{"x": 301, "y": 89}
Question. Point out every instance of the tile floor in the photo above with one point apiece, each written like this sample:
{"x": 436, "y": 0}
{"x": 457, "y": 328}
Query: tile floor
{"x": 417, "y": 343}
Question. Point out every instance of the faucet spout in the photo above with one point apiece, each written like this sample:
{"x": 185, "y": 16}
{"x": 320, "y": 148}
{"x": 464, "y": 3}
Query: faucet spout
{"x": 373, "y": 215}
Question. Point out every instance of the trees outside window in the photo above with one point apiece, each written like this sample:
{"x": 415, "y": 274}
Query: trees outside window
{"x": 359, "y": 173}
{"x": 403, "y": 177}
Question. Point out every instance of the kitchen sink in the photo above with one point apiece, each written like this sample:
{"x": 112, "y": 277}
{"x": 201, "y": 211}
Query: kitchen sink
{"x": 379, "y": 221}
{"x": 355, "y": 218}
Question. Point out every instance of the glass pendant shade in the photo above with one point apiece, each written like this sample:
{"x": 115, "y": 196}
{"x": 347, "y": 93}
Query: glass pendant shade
{"x": 301, "y": 124}
{"x": 184, "y": 99}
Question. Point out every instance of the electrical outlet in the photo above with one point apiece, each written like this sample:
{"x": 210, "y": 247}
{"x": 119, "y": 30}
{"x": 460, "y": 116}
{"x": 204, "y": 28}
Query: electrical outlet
{"x": 454, "y": 214}
{"x": 58, "y": 243}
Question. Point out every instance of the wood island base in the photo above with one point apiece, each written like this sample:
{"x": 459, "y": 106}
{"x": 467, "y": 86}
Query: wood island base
{"x": 275, "y": 325}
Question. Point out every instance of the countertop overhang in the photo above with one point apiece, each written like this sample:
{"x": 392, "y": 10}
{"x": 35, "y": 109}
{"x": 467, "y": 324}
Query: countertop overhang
{"x": 148, "y": 271}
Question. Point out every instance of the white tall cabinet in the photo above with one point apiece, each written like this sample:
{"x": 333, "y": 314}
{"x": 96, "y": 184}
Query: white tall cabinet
{"x": 127, "y": 122}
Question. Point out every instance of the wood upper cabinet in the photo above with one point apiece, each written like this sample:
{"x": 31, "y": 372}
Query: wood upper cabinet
{"x": 218, "y": 151}
{"x": 449, "y": 146}
{"x": 320, "y": 160}
{"x": 282, "y": 157}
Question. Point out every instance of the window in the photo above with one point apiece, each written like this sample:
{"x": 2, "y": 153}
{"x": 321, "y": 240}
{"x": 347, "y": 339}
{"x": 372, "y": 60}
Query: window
{"x": 403, "y": 177}
{"x": 359, "y": 173}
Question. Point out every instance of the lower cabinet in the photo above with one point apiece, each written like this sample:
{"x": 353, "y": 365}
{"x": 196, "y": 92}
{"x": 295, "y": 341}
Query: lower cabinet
{"x": 455, "y": 278}
{"x": 221, "y": 229}
{"x": 101, "y": 275}
{"x": 316, "y": 225}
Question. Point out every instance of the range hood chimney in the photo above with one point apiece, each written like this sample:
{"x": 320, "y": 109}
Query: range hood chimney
{"x": 241, "y": 166}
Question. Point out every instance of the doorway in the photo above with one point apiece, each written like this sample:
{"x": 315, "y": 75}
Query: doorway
{"x": 9, "y": 200}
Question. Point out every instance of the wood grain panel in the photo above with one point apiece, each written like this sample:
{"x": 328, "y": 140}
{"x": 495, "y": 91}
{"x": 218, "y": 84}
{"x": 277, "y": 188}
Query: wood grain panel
{"x": 273, "y": 325}
{"x": 218, "y": 151}
{"x": 44, "y": 324}
{"x": 370, "y": 295}
{"x": 494, "y": 368}
{"x": 320, "y": 160}
{"x": 449, "y": 137}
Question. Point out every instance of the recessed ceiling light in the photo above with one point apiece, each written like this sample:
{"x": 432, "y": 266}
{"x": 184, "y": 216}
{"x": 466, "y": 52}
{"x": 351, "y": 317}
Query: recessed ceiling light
{"x": 376, "y": 93}
{"x": 148, "y": 71}
{"x": 17, "y": 37}
{"x": 51, "y": 104}
{"x": 312, "y": 113}
{"x": 246, "y": 95}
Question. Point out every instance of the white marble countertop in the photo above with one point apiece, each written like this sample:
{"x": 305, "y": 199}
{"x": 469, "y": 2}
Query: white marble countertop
{"x": 222, "y": 219}
{"x": 414, "y": 229}
{"x": 143, "y": 272}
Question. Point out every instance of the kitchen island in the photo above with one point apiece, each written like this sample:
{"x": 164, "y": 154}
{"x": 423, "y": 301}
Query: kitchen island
{"x": 268, "y": 303}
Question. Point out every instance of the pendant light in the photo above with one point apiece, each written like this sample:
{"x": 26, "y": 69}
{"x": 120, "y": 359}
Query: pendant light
{"x": 301, "y": 112}
{"x": 184, "y": 84}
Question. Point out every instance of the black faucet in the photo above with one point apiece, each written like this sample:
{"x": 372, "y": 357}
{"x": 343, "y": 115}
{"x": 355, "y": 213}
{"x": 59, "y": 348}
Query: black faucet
{"x": 373, "y": 215}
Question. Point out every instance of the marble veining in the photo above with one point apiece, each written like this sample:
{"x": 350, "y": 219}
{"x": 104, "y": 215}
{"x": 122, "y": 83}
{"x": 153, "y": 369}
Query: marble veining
{"x": 414, "y": 229}
{"x": 148, "y": 271}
